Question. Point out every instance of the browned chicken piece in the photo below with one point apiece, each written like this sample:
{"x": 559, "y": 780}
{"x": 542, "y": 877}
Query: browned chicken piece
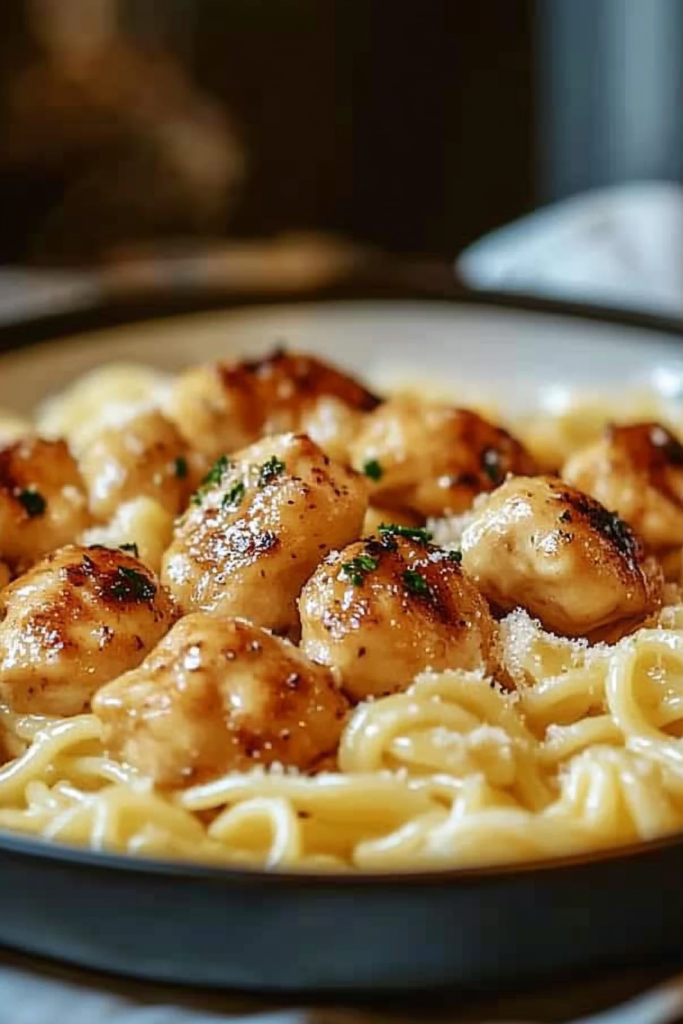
{"x": 76, "y": 620}
{"x": 540, "y": 544}
{"x": 220, "y": 695}
{"x": 259, "y": 526}
{"x": 385, "y": 609}
{"x": 5, "y": 575}
{"x": 43, "y": 504}
{"x": 144, "y": 457}
{"x": 432, "y": 458}
{"x": 637, "y": 470}
{"x": 223, "y": 407}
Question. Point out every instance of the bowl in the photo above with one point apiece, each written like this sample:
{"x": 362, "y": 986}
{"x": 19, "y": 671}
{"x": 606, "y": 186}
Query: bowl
{"x": 486, "y": 927}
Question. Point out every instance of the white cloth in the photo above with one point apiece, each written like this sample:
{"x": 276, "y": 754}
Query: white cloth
{"x": 620, "y": 246}
{"x": 27, "y": 293}
{"x": 33, "y": 992}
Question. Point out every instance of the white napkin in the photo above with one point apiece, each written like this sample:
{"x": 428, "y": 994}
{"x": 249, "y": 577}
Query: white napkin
{"x": 620, "y": 246}
{"x": 35, "y": 992}
{"x": 26, "y": 293}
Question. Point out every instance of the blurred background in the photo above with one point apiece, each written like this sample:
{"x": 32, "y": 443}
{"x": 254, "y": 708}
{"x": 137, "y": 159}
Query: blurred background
{"x": 413, "y": 126}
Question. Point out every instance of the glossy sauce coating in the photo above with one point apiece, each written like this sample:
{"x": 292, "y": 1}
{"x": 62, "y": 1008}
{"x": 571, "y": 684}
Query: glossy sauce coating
{"x": 43, "y": 504}
{"x": 434, "y": 459}
{"x": 385, "y": 609}
{"x": 222, "y": 407}
{"x": 540, "y": 544}
{"x": 218, "y": 696}
{"x": 143, "y": 457}
{"x": 259, "y": 529}
{"x": 77, "y": 619}
{"x": 636, "y": 470}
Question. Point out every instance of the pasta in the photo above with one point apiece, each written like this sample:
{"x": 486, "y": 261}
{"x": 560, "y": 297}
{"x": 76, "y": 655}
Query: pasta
{"x": 572, "y": 743}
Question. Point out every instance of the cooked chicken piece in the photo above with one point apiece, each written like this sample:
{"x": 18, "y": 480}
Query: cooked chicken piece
{"x": 223, "y": 407}
{"x": 220, "y": 695}
{"x": 260, "y": 525}
{"x": 540, "y": 544}
{"x": 5, "y": 575}
{"x": 432, "y": 458}
{"x": 76, "y": 620}
{"x": 385, "y": 609}
{"x": 141, "y": 526}
{"x": 332, "y": 425}
{"x": 637, "y": 470}
{"x": 143, "y": 457}
{"x": 105, "y": 396}
{"x": 42, "y": 500}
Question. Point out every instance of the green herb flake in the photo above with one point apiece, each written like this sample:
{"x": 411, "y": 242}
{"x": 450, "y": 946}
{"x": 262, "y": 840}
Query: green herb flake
{"x": 212, "y": 479}
{"x": 269, "y": 470}
{"x": 33, "y": 502}
{"x": 355, "y": 570}
{"x": 131, "y": 549}
{"x": 419, "y": 535}
{"x": 455, "y": 556}
{"x": 131, "y": 585}
{"x": 373, "y": 469}
{"x": 233, "y": 499}
{"x": 217, "y": 471}
{"x": 415, "y": 583}
{"x": 180, "y": 467}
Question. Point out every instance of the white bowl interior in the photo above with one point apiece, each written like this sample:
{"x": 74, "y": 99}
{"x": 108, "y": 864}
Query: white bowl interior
{"x": 518, "y": 358}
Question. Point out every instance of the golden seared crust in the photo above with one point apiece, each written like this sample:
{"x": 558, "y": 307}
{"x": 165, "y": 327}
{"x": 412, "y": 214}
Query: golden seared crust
{"x": 259, "y": 528}
{"x": 541, "y": 544}
{"x": 144, "y": 457}
{"x": 76, "y": 620}
{"x": 385, "y": 609}
{"x": 432, "y": 458}
{"x": 220, "y": 695}
{"x": 224, "y": 407}
{"x": 637, "y": 470}
{"x": 42, "y": 500}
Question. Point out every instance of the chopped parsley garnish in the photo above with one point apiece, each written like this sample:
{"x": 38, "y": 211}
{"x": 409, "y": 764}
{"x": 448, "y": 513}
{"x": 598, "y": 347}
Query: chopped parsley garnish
{"x": 33, "y": 501}
{"x": 415, "y": 533}
{"x": 269, "y": 470}
{"x": 356, "y": 569}
{"x": 373, "y": 469}
{"x": 415, "y": 583}
{"x": 455, "y": 556}
{"x": 212, "y": 479}
{"x": 132, "y": 548}
{"x": 217, "y": 471}
{"x": 490, "y": 463}
{"x": 131, "y": 585}
{"x": 181, "y": 467}
{"x": 233, "y": 498}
